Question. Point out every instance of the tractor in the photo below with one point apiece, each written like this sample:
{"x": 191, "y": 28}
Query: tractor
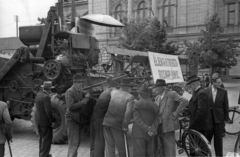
{"x": 50, "y": 53}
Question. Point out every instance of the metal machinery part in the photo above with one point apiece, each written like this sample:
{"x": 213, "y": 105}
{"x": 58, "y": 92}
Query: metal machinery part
{"x": 52, "y": 69}
{"x": 13, "y": 85}
{"x": 36, "y": 85}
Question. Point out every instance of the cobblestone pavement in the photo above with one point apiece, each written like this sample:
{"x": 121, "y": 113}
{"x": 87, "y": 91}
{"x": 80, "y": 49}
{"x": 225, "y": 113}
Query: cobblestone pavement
{"x": 25, "y": 142}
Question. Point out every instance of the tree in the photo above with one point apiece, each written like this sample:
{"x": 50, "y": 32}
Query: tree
{"x": 146, "y": 35}
{"x": 209, "y": 51}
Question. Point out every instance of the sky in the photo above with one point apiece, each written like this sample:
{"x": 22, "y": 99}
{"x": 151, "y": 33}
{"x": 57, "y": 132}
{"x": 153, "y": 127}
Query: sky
{"x": 27, "y": 10}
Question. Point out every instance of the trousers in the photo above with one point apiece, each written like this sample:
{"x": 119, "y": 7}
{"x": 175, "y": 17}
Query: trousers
{"x": 143, "y": 147}
{"x": 74, "y": 137}
{"x": 114, "y": 137}
{"x": 165, "y": 143}
{"x": 216, "y": 131}
{"x": 45, "y": 140}
{"x": 97, "y": 143}
{"x": 2, "y": 149}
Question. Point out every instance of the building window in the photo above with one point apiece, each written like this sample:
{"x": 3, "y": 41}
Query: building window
{"x": 118, "y": 14}
{"x": 231, "y": 13}
{"x": 168, "y": 13}
{"x": 142, "y": 10}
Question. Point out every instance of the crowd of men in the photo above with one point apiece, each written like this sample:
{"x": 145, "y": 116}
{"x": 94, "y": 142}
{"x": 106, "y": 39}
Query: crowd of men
{"x": 154, "y": 122}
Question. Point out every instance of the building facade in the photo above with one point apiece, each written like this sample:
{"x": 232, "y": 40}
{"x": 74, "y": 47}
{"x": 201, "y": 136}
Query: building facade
{"x": 184, "y": 19}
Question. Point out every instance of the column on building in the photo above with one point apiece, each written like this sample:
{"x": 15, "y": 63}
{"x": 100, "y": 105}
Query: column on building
{"x": 236, "y": 13}
{"x": 226, "y": 14}
{"x": 155, "y": 8}
{"x": 175, "y": 15}
{"x": 130, "y": 9}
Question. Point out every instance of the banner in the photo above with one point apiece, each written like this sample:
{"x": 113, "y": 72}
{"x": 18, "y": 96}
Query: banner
{"x": 165, "y": 67}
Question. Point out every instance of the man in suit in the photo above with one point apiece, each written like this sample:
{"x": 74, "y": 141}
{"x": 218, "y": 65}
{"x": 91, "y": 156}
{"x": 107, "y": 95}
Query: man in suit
{"x": 218, "y": 101}
{"x": 5, "y": 127}
{"x": 117, "y": 119}
{"x": 45, "y": 119}
{"x": 145, "y": 124}
{"x": 207, "y": 80}
{"x": 198, "y": 107}
{"x": 170, "y": 106}
{"x": 75, "y": 101}
{"x": 97, "y": 142}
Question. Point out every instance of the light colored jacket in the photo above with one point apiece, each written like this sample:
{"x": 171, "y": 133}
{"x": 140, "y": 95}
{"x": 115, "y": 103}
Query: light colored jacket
{"x": 4, "y": 115}
{"x": 120, "y": 110}
{"x": 171, "y": 103}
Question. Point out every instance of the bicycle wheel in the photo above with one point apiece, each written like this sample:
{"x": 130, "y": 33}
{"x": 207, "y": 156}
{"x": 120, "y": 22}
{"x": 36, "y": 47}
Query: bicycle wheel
{"x": 237, "y": 146}
{"x": 233, "y": 126}
{"x": 195, "y": 144}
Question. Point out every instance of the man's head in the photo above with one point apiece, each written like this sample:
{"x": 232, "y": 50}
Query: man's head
{"x": 78, "y": 80}
{"x": 126, "y": 85}
{"x": 111, "y": 83}
{"x": 47, "y": 86}
{"x": 193, "y": 82}
{"x": 144, "y": 91}
{"x": 160, "y": 87}
{"x": 216, "y": 80}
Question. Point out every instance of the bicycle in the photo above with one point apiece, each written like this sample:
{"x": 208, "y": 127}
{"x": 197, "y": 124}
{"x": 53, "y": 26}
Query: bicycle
{"x": 232, "y": 127}
{"x": 191, "y": 141}
{"x": 237, "y": 146}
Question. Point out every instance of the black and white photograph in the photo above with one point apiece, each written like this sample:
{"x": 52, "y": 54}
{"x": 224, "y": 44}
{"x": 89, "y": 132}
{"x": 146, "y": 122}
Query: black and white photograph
{"x": 119, "y": 78}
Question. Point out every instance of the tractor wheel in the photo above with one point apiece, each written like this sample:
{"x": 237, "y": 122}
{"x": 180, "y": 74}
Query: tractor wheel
{"x": 58, "y": 110}
{"x": 60, "y": 131}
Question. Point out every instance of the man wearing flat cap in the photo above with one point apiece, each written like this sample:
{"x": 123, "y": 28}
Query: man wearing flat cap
{"x": 97, "y": 143}
{"x": 198, "y": 107}
{"x": 145, "y": 124}
{"x": 44, "y": 119}
{"x": 117, "y": 119}
{"x": 218, "y": 102}
{"x": 75, "y": 100}
{"x": 170, "y": 106}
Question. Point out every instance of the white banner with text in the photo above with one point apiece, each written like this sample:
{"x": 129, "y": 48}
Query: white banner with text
{"x": 165, "y": 67}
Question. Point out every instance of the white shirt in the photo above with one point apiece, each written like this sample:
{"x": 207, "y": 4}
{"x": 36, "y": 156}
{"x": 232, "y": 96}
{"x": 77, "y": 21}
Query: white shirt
{"x": 214, "y": 93}
{"x": 162, "y": 95}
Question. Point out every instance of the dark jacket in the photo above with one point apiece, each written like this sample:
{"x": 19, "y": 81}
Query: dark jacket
{"x": 74, "y": 106}
{"x": 120, "y": 109}
{"x": 199, "y": 109}
{"x": 102, "y": 104}
{"x": 145, "y": 114}
{"x": 43, "y": 109}
{"x": 220, "y": 106}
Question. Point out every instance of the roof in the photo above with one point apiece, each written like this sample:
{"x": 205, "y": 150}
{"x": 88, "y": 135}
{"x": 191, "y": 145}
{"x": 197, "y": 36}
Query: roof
{"x": 11, "y": 43}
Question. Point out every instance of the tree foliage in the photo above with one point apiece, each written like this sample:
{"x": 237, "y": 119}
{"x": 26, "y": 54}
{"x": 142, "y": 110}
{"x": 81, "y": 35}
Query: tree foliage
{"x": 146, "y": 35}
{"x": 209, "y": 51}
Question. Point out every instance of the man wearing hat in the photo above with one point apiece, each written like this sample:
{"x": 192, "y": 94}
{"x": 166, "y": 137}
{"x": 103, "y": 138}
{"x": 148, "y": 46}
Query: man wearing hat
{"x": 97, "y": 142}
{"x": 75, "y": 100}
{"x": 117, "y": 119}
{"x": 198, "y": 107}
{"x": 218, "y": 102}
{"x": 170, "y": 106}
{"x": 44, "y": 119}
{"x": 145, "y": 124}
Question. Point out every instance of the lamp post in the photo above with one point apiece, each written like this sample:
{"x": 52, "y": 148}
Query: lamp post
{"x": 16, "y": 19}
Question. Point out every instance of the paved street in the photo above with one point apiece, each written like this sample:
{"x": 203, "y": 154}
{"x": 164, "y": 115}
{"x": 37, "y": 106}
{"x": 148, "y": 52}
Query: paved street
{"x": 25, "y": 143}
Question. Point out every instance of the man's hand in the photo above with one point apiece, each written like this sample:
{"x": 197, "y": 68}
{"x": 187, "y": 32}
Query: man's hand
{"x": 174, "y": 115}
{"x": 85, "y": 101}
{"x": 124, "y": 129}
{"x": 53, "y": 125}
{"x": 151, "y": 131}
